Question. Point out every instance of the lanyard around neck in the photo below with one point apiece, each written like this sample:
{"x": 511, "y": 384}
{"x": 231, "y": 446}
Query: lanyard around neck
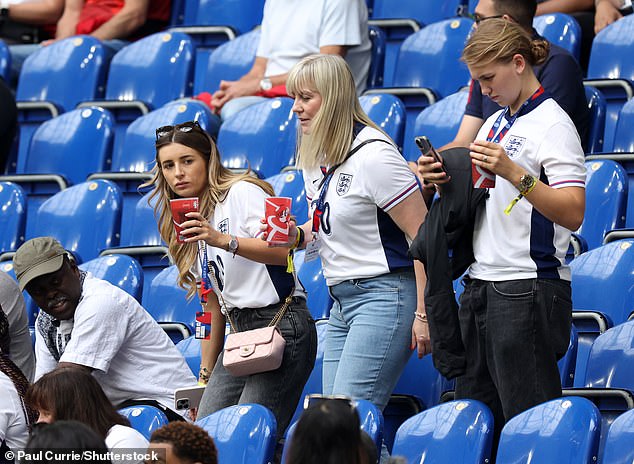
{"x": 496, "y": 136}
{"x": 325, "y": 182}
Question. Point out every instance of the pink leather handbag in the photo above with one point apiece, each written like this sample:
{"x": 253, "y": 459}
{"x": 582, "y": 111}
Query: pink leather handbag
{"x": 253, "y": 351}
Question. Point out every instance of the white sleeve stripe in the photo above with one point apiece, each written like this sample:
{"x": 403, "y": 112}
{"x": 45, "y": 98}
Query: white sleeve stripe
{"x": 569, "y": 182}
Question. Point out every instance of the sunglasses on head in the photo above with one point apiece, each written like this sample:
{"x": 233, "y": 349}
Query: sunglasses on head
{"x": 477, "y": 18}
{"x": 184, "y": 127}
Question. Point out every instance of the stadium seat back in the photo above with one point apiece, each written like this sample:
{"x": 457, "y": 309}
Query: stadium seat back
{"x": 64, "y": 73}
{"x": 225, "y": 13}
{"x": 560, "y": 29}
{"x": 618, "y": 445}
{"x": 120, "y": 270}
{"x": 456, "y": 431}
{"x": 243, "y": 434}
{"x": 144, "y": 418}
{"x": 230, "y": 61}
{"x": 261, "y": 136}
{"x": 85, "y": 218}
{"x": 12, "y": 216}
{"x": 606, "y": 200}
{"x": 565, "y": 430}
{"x": 155, "y": 70}
{"x": 168, "y": 305}
{"x": 611, "y": 70}
{"x": 388, "y": 112}
{"x": 597, "y": 106}
{"x": 439, "y": 122}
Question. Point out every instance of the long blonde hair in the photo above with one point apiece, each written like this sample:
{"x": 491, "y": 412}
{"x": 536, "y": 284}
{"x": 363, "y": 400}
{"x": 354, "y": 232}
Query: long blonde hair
{"x": 220, "y": 180}
{"x": 332, "y": 128}
{"x": 499, "y": 40}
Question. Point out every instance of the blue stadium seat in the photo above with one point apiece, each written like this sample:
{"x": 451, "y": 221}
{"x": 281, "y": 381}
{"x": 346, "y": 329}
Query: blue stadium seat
{"x": 261, "y": 136}
{"x": 623, "y": 135}
{"x": 135, "y": 154}
{"x": 612, "y": 71}
{"x": 439, "y": 122}
{"x": 597, "y": 106}
{"x": 377, "y": 59}
{"x": 606, "y": 200}
{"x": 230, "y": 61}
{"x": 145, "y": 75}
{"x": 243, "y": 434}
{"x": 85, "y": 218}
{"x": 5, "y": 62}
{"x": 144, "y": 418}
{"x": 602, "y": 292}
{"x": 212, "y": 22}
{"x": 120, "y": 270}
{"x": 564, "y": 430}
{"x": 370, "y": 418}
{"x": 311, "y": 276}
{"x": 419, "y": 387}
{"x": 436, "y": 47}
{"x": 190, "y": 349}
{"x": 618, "y": 445}
{"x": 290, "y": 183}
{"x": 403, "y": 18}
{"x": 568, "y": 364}
{"x": 55, "y": 79}
{"x": 12, "y": 216}
{"x": 388, "y": 112}
{"x": 140, "y": 239}
{"x": 64, "y": 151}
{"x": 456, "y": 431}
{"x": 168, "y": 305}
{"x": 560, "y": 29}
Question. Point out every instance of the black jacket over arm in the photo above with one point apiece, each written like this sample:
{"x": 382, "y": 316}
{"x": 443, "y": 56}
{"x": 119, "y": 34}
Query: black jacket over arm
{"x": 448, "y": 226}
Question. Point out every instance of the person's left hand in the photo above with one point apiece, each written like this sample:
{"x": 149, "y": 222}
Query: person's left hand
{"x": 420, "y": 338}
{"x": 493, "y": 157}
{"x": 198, "y": 228}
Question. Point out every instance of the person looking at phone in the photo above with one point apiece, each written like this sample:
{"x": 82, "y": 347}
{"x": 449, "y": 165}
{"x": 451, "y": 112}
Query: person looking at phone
{"x": 71, "y": 393}
{"x": 223, "y": 252}
{"x": 515, "y": 312}
{"x": 559, "y": 73}
{"x": 91, "y": 324}
{"x": 365, "y": 207}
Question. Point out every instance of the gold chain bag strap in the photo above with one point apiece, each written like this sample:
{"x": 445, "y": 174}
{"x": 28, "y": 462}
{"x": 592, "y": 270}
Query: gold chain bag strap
{"x": 255, "y": 350}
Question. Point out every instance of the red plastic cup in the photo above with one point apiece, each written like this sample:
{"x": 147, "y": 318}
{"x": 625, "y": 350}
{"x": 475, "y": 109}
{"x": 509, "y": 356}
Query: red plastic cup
{"x": 482, "y": 178}
{"x": 180, "y": 207}
{"x": 277, "y": 211}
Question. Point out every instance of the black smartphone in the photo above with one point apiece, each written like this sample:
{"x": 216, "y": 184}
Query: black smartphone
{"x": 426, "y": 148}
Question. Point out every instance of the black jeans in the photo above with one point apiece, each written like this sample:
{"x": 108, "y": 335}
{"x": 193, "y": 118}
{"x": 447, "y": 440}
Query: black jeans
{"x": 278, "y": 390}
{"x": 514, "y": 332}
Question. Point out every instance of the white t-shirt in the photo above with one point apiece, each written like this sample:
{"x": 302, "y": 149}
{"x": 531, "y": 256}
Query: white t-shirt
{"x": 358, "y": 238}
{"x": 13, "y": 427}
{"x": 132, "y": 355}
{"x": 293, "y": 29}
{"x": 126, "y": 440}
{"x": 245, "y": 283}
{"x": 524, "y": 244}
{"x": 12, "y": 303}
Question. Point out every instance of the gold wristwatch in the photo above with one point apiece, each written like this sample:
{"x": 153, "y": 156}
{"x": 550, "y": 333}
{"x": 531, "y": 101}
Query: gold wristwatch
{"x": 527, "y": 184}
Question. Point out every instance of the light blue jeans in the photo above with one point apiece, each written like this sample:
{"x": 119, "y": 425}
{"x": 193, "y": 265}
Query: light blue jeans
{"x": 369, "y": 335}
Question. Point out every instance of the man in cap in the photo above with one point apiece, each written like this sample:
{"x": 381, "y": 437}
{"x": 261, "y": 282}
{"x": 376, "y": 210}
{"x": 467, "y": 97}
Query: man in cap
{"x": 90, "y": 323}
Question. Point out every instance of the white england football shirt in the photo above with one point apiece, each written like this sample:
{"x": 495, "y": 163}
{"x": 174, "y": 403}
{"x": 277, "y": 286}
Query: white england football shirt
{"x": 358, "y": 237}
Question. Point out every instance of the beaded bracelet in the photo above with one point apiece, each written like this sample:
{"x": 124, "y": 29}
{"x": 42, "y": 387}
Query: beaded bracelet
{"x": 421, "y": 317}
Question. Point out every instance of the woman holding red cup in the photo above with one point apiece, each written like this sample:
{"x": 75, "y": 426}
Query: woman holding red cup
{"x": 365, "y": 207}
{"x": 237, "y": 274}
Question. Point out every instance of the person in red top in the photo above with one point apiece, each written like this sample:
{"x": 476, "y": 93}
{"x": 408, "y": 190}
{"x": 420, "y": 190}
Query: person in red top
{"x": 115, "y": 22}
